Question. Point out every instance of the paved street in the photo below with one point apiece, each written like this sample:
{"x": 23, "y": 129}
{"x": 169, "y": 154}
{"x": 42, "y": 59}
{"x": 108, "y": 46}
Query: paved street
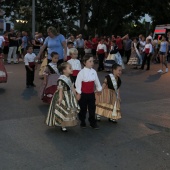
{"x": 140, "y": 141}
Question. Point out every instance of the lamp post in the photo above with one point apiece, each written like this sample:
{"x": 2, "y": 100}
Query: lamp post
{"x": 33, "y": 18}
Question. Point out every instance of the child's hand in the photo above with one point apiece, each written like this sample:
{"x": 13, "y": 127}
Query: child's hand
{"x": 119, "y": 99}
{"x": 98, "y": 92}
{"x": 78, "y": 96}
{"x": 44, "y": 82}
{"x": 60, "y": 100}
{"x": 31, "y": 69}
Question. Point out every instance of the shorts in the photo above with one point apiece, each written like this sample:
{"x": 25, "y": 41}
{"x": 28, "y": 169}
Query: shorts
{"x": 162, "y": 53}
{"x": 6, "y": 49}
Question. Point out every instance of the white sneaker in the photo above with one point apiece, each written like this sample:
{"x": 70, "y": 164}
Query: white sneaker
{"x": 63, "y": 129}
{"x": 166, "y": 70}
{"x": 98, "y": 117}
{"x": 160, "y": 71}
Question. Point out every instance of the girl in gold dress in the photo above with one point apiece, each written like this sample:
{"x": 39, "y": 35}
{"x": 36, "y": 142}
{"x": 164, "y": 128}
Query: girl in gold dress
{"x": 108, "y": 103}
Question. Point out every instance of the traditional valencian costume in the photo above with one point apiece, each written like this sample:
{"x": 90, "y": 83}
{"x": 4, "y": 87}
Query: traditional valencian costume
{"x": 108, "y": 103}
{"x": 3, "y": 73}
{"x": 65, "y": 114}
{"x": 47, "y": 91}
{"x": 135, "y": 55}
{"x": 114, "y": 56}
{"x": 42, "y": 68}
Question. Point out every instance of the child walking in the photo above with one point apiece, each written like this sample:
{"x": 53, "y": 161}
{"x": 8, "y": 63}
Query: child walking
{"x": 30, "y": 66}
{"x": 101, "y": 53}
{"x": 75, "y": 63}
{"x": 148, "y": 53}
{"x": 85, "y": 82}
{"x": 64, "y": 106}
{"x": 51, "y": 75}
{"x": 108, "y": 103}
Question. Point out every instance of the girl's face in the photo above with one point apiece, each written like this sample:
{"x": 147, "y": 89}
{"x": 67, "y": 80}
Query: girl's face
{"x": 112, "y": 44}
{"x": 90, "y": 62}
{"x": 55, "y": 59}
{"x": 68, "y": 70}
{"x": 118, "y": 72}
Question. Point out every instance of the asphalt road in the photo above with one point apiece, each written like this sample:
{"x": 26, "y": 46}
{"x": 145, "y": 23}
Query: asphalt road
{"x": 140, "y": 141}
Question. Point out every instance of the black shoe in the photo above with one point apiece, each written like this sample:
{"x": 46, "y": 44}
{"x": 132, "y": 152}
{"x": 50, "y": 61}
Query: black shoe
{"x": 94, "y": 126}
{"x": 147, "y": 69}
{"x": 112, "y": 121}
{"x": 64, "y": 130}
{"x": 83, "y": 125}
{"x": 141, "y": 68}
{"x": 33, "y": 85}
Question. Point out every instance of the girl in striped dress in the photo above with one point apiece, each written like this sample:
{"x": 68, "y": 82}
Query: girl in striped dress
{"x": 64, "y": 107}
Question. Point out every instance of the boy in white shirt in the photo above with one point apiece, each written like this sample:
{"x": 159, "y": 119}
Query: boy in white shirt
{"x": 69, "y": 46}
{"x": 75, "y": 63}
{"x": 102, "y": 53}
{"x": 30, "y": 66}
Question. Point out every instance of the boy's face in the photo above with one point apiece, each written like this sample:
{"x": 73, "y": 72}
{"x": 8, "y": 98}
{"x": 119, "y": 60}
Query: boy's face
{"x": 70, "y": 46}
{"x": 30, "y": 50}
{"x": 55, "y": 59}
{"x": 89, "y": 63}
{"x": 74, "y": 55}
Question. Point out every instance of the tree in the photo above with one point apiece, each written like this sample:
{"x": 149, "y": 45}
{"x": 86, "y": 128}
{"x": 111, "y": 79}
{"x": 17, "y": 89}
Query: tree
{"x": 103, "y": 17}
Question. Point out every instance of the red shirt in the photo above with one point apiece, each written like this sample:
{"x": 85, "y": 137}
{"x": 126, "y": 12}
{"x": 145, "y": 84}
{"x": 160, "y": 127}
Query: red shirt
{"x": 119, "y": 43}
{"x": 88, "y": 45}
{"x": 95, "y": 41}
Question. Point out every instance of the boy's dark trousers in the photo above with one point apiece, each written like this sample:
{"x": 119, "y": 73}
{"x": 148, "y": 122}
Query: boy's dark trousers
{"x": 127, "y": 54}
{"x": 101, "y": 60}
{"x": 30, "y": 76}
{"x": 87, "y": 101}
{"x": 148, "y": 59}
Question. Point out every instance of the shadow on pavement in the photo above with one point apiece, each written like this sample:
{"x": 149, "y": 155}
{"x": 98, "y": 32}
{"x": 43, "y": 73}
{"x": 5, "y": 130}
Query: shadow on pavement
{"x": 44, "y": 108}
{"x": 133, "y": 72}
{"x": 27, "y": 94}
{"x": 2, "y": 91}
{"x": 153, "y": 78}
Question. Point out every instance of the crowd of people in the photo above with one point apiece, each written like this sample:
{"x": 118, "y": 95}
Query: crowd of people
{"x": 70, "y": 84}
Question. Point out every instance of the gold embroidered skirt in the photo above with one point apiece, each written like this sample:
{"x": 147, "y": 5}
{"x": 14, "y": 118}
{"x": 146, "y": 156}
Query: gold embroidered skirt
{"x": 108, "y": 105}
